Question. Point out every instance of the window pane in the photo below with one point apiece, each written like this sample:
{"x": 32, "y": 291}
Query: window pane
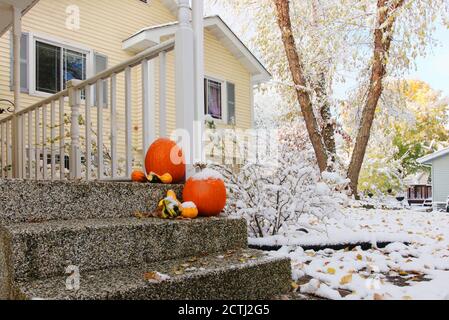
{"x": 74, "y": 66}
{"x": 48, "y": 68}
{"x": 230, "y": 93}
{"x": 214, "y": 99}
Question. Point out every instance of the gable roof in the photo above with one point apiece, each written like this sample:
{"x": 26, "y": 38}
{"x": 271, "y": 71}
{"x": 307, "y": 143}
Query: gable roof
{"x": 6, "y": 11}
{"x": 151, "y": 36}
{"x": 431, "y": 157}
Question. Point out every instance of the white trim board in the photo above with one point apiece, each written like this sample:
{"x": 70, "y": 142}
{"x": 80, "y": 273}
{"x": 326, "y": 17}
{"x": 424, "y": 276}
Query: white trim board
{"x": 431, "y": 157}
{"x": 151, "y": 36}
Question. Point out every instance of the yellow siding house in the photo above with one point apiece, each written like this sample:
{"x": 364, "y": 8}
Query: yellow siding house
{"x": 76, "y": 39}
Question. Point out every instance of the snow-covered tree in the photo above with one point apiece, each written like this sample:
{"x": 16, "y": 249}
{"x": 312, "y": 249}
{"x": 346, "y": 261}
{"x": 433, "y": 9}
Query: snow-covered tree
{"x": 311, "y": 45}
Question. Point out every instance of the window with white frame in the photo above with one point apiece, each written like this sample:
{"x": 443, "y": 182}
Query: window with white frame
{"x": 213, "y": 96}
{"x": 47, "y": 65}
{"x": 55, "y": 65}
{"x": 219, "y": 100}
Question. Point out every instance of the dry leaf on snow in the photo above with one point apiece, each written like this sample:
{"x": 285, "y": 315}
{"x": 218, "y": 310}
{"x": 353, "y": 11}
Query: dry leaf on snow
{"x": 346, "y": 279}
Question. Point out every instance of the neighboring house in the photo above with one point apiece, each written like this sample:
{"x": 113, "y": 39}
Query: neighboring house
{"x": 419, "y": 188}
{"x": 57, "y": 47}
{"x": 439, "y": 161}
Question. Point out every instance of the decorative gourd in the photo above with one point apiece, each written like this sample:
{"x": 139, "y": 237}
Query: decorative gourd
{"x": 164, "y": 156}
{"x": 189, "y": 210}
{"x": 172, "y": 194}
{"x": 208, "y": 191}
{"x": 165, "y": 179}
{"x": 139, "y": 176}
{"x": 170, "y": 207}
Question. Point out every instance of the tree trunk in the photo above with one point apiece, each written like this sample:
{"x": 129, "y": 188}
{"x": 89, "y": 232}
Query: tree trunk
{"x": 382, "y": 44}
{"x": 297, "y": 72}
{"x": 328, "y": 127}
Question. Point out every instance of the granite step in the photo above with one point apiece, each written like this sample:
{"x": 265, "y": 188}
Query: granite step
{"x": 40, "y": 250}
{"x": 233, "y": 275}
{"x": 38, "y": 201}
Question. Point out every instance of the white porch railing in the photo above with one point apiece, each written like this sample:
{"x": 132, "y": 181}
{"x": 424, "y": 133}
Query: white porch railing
{"x": 49, "y": 136}
{"x": 36, "y": 141}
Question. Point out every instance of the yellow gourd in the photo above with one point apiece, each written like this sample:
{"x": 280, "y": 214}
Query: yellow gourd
{"x": 172, "y": 194}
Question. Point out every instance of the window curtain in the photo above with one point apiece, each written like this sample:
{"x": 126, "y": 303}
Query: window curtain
{"x": 214, "y": 100}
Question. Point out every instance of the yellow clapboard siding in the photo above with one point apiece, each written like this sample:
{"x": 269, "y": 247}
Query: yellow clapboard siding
{"x": 104, "y": 25}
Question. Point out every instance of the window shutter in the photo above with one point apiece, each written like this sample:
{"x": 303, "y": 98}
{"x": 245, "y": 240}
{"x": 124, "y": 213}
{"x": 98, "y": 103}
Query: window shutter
{"x": 101, "y": 64}
{"x": 230, "y": 88}
{"x": 24, "y": 60}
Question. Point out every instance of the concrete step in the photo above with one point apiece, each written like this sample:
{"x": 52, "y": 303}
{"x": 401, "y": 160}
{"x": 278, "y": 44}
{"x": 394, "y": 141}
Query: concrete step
{"x": 235, "y": 275}
{"x": 40, "y": 250}
{"x": 39, "y": 201}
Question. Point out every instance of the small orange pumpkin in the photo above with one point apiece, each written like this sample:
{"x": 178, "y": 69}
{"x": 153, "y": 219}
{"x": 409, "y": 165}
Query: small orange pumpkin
{"x": 139, "y": 176}
{"x": 189, "y": 210}
{"x": 165, "y": 156}
{"x": 208, "y": 191}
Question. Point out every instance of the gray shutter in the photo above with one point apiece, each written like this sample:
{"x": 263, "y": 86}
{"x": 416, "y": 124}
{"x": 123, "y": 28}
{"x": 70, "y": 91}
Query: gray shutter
{"x": 23, "y": 63}
{"x": 230, "y": 89}
{"x": 101, "y": 64}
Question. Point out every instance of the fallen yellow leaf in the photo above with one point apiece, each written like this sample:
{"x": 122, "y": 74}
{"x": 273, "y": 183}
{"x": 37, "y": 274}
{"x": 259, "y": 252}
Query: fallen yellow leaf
{"x": 331, "y": 271}
{"x": 346, "y": 279}
{"x": 295, "y": 286}
{"x": 359, "y": 257}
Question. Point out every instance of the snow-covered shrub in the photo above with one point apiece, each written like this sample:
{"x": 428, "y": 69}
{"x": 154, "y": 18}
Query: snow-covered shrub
{"x": 276, "y": 196}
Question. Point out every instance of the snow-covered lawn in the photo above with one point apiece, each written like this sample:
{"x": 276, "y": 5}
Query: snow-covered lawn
{"x": 419, "y": 270}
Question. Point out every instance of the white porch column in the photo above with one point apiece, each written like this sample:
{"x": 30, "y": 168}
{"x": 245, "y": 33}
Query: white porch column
{"x": 185, "y": 88}
{"x": 198, "y": 30}
{"x": 17, "y": 137}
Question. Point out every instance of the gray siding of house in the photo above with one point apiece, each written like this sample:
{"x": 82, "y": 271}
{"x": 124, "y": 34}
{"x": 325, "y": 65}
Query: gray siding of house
{"x": 440, "y": 179}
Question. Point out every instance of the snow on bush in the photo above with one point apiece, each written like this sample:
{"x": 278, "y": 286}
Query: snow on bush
{"x": 276, "y": 197}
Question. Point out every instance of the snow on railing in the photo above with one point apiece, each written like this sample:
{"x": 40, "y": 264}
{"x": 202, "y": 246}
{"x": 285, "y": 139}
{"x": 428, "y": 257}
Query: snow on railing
{"x": 48, "y": 137}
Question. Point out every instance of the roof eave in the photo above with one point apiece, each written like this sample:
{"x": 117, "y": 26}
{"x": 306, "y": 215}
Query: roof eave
{"x": 25, "y": 9}
{"x": 427, "y": 160}
{"x": 150, "y": 36}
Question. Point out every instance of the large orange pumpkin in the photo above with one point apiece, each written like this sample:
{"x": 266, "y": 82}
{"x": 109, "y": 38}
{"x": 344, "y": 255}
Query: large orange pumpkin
{"x": 164, "y": 156}
{"x": 208, "y": 193}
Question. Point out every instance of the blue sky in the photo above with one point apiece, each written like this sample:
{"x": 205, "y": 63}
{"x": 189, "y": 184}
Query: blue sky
{"x": 434, "y": 69}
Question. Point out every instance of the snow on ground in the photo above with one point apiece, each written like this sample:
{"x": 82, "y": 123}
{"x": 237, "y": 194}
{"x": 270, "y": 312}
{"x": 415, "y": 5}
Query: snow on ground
{"x": 414, "y": 266}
